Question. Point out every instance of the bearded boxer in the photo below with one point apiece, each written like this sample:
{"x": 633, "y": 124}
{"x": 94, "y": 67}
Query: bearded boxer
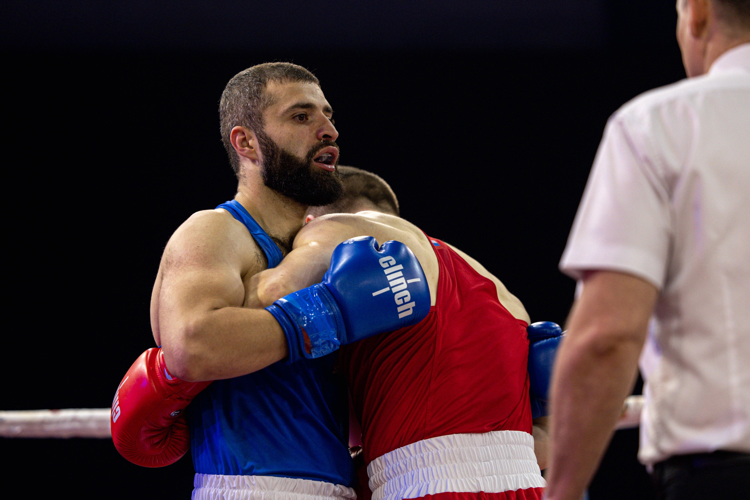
{"x": 263, "y": 428}
{"x": 444, "y": 405}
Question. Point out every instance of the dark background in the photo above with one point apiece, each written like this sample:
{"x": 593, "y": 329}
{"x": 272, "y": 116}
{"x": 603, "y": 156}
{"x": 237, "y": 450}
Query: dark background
{"x": 483, "y": 115}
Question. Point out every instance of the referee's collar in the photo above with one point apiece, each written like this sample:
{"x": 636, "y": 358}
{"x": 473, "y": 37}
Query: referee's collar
{"x": 733, "y": 59}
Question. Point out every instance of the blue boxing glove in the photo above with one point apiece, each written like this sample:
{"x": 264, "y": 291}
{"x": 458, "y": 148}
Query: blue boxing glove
{"x": 544, "y": 339}
{"x": 367, "y": 290}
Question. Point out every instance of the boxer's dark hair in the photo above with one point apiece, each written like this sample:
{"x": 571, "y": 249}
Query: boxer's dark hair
{"x": 735, "y": 13}
{"x": 361, "y": 188}
{"x": 244, "y": 99}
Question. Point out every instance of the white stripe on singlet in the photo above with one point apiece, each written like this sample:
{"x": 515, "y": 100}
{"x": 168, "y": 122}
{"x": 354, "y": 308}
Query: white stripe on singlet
{"x": 493, "y": 462}
{"x": 215, "y": 487}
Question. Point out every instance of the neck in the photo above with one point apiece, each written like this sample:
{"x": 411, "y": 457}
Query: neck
{"x": 715, "y": 50}
{"x": 278, "y": 215}
{"x": 721, "y": 38}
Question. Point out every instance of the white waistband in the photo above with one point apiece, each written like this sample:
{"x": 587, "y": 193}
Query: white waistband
{"x": 493, "y": 462}
{"x": 215, "y": 487}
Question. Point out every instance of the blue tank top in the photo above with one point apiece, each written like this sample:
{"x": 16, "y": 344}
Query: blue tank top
{"x": 287, "y": 420}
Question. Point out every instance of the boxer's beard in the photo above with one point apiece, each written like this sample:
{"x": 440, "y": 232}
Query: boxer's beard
{"x": 297, "y": 178}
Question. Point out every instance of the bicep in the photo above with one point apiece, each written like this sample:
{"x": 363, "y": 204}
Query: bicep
{"x": 199, "y": 288}
{"x": 201, "y": 271}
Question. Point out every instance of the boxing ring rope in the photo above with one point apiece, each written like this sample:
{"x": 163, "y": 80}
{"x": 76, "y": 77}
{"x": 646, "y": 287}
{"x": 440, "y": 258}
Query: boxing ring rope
{"x": 94, "y": 422}
{"x": 70, "y": 423}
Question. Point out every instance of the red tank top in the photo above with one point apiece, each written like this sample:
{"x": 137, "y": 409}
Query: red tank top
{"x": 463, "y": 369}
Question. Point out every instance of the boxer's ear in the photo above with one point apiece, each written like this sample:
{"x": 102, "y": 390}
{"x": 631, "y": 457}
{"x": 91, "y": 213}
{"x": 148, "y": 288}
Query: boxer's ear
{"x": 244, "y": 142}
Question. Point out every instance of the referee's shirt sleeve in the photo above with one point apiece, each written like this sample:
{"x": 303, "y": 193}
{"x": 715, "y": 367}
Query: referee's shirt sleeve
{"x": 624, "y": 220}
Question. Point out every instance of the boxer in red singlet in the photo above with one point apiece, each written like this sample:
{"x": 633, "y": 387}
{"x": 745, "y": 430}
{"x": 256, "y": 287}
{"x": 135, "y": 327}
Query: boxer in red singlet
{"x": 443, "y": 405}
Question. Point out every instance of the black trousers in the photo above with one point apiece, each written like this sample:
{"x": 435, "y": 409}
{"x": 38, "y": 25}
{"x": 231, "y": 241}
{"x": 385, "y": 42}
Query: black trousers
{"x": 704, "y": 476}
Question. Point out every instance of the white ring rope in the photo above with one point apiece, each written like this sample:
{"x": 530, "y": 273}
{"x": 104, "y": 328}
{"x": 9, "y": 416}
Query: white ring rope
{"x": 94, "y": 423}
{"x": 82, "y": 422}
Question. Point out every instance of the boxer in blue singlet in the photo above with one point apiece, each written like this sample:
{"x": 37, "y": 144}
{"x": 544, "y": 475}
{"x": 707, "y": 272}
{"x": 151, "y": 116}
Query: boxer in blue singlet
{"x": 264, "y": 426}
{"x": 302, "y": 404}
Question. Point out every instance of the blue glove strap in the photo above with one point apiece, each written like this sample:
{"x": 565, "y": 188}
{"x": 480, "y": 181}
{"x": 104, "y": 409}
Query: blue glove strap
{"x": 295, "y": 341}
{"x": 313, "y": 310}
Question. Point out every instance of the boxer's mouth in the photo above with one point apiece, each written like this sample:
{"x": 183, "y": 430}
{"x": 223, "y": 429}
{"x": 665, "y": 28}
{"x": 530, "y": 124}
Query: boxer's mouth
{"x": 326, "y": 158}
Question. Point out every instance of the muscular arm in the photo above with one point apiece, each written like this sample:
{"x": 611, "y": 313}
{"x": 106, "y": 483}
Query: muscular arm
{"x": 595, "y": 370}
{"x": 197, "y": 307}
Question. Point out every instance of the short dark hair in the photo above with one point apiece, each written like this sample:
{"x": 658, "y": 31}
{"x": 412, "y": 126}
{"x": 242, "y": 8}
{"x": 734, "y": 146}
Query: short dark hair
{"x": 735, "y": 13}
{"x": 361, "y": 188}
{"x": 244, "y": 99}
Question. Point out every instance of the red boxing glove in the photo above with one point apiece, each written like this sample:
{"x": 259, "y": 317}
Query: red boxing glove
{"x": 148, "y": 425}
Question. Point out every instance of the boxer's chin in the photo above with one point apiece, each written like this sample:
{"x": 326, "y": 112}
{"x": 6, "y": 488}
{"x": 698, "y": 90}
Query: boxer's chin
{"x": 304, "y": 182}
{"x": 326, "y": 189}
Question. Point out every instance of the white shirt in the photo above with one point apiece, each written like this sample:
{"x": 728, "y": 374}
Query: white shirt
{"x": 668, "y": 200}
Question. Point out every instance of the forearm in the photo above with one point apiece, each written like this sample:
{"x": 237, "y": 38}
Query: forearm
{"x": 590, "y": 383}
{"x": 594, "y": 371}
{"x": 300, "y": 269}
{"x": 269, "y": 286}
{"x": 222, "y": 343}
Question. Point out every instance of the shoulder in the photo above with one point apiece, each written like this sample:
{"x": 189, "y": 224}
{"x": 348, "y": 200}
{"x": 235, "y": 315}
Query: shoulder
{"x": 728, "y": 76}
{"x": 659, "y": 130}
{"x": 660, "y": 96}
{"x": 330, "y": 230}
{"x": 370, "y": 220}
{"x": 676, "y": 104}
{"x": 208, "y": 229}
{"x": 340, "y": 227}
{"x": 213, "y": 236}
{"x": 507, "y": 299}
